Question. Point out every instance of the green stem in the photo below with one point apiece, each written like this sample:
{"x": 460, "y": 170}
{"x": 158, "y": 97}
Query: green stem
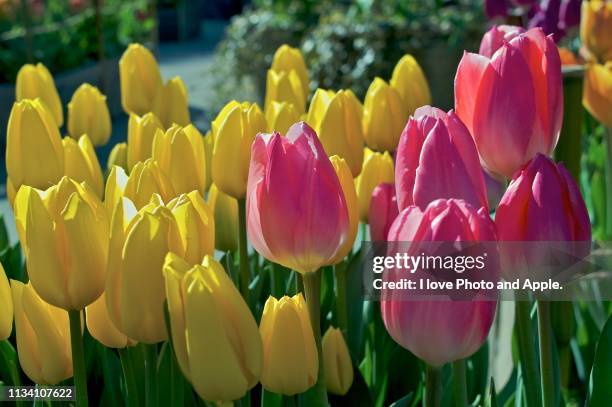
{"x": 312, "y": 289}
{"x": 243, "y": 250}
{"x": 546, "y": 361}
{"x": 433, "y": 386}
{"x": 459, "y": 383}
{"x": 608, "y": 178}
{"x": 78, "y": 358}
{"x": 341, "y": 310}
{"x": 150, "y": 354}
{"x": 131, "y": 387}
{"x": 527, "y": 352}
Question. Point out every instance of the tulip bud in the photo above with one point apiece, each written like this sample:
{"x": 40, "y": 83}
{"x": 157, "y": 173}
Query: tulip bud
{"x": 140, "y": 79}
{"x": 383, "y": 211}
{"x": 102, "y": 328}
{"x": 6, "y": 305}
{"x": 596, "y": 28}
{"x": 432, "y": 142}
{"x": 209, "y": 144}
{"x": 82, "y": 164}
{"x": 113, "y": 190}
{"x": 214, "y": 334}
{"x": 337, "y": 362}
{"x": 88, "y": 114}
{"x": 284, "y": 86}
{"x": 43, "y": 337}
{"x": 292, "y": 176}
{"x": 171, "y": 104}
{"x": 496, "y": 37}
{"x": 411, "y": 85}
{"x": 34, "y": 153}
{"x": 291, "y": 361}
{"x": 383, "y": 116}
{"x": 512, "y": 103}
{"x": 141, "y": 131}
{"x": 287, "y": 59}
{"x": 336, "y": 117}
{"x": 280, "y": 116}
{"x": 117, "y": 156}
{"x": 234, "y": 130}
{"x": 145, "y": 180}
{"x": 597, "y": 93}
{"x": 139, "y": 242}
{"x": 225, "y": 209}
{"x": 350, "y": 197}
{"x": 179, "y": 153}
{"x": 35, "y": 81}
{"x": 377, "y": 169}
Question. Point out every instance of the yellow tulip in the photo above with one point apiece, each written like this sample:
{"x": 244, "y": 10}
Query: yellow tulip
{"x": 350, "y": 196}
{"x": 43, "y": 337}
{"x": 291, "y": 361}
{"x": 280, "y": 116}
{"x": 141, "y": 132}
{"x": 35, "y": 81}
{"x": 383, "y": 116}
{"x": 597, "y": 92}
{"x": 411, "y": 85}
{"x": 139, "y": 242}
{"x": 225, "y": 209}
{"x": 34, "y": 153}
{"x": 140, "y": 79}
{"x": 145, "y": 180}
{"x": 6, "y": 305}
{"x": 214, "y": 334}
{"x": 102, "y": 328}
{"x": 336, "y": 117}
{"x": 82, "y": 164}
{"x": 209, "y": 144}
{"x": 171, "y": 104}
{"x": 88, "y": 114}
{"x": 234, "y": 130}
{"x": 377, "y": 168}
{"x": 287, "y": 59}
{"x": 596, "y": 28}
{"x": 179, "y": 153}
{"x": 113, "y": 190}
{"x": 117, "y": 156}
{"x": 284, "y": 86}
{"x": 337, "y": 362}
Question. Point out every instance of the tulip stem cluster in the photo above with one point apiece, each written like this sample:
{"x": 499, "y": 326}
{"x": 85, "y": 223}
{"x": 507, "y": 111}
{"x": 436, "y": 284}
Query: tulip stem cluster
{"x": 243, "y": 250}
{"x": 608, "y": 142}
{"x": 527, "y": 352}
{"x": 546, "y": 362}
{"x": 459, "y": 383}
{"x": 341, "y": 311}
{"x": 150, "y": 355}
{"x": 128, "y": 374}
{"x": 433, "y": 386}
{"x": 78, "y": 358}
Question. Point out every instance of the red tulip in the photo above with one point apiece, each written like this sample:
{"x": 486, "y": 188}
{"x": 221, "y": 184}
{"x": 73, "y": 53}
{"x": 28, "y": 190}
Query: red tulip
{"x": 512, "y": 102}
{"x": 496, "y": 37}
{"x": 296, "y": 211}
{"x": 383, "y": 211}
{"x": 437, "y": 158}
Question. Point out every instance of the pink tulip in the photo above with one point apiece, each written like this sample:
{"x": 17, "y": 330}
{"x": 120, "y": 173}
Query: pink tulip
{"x": 437, "y": 158}
{"x": 512, "y": 102}
{"x": 440, "y": 330}
{"x": 296, "y": 211}
{"x": 496, "y": 37}
{"x": 383, "y": 211}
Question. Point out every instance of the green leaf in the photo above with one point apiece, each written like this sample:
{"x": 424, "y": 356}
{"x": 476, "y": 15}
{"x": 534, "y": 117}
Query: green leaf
{"x": 9, "y": 364}
{"x": 600, "y": 391}
{"x": 491, "y": 400}
{"x": 4, "y": 236}
{"x": 270, "y": 399}
{"x": 405, "y": 401}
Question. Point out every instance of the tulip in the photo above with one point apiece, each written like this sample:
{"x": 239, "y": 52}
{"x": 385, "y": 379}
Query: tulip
{"x": 140, "y": 79}
{"x": 43, "y": 337}
{"x": 597, "y": 93}
{"x": 214, "y": 334}
{"x": 233, "y": 131}
{"x": 411, "y": 85}
{"x": 102, "y": 328}
{"x": 179, "y": 153}
{"x": 336, "y": 117}
{"x": 145, "y": 180}
{"x": 34, "y": 153}
{"x": 209, "y": 144}
{"x": 64, "y": 233}
{"x": 283, "y": 86}
{"x": 35, "y": 81}
{"x": 280, "y": 116}
{"x": 337, "y": 362}
{"x": 383, "y": 211}
{"x": 287, "y": 59}
{"x": 384, "y": 116}
{"x": 139, "y": 242}
{"x": 171, "y": 104}
{"x": 569, "y": 14}
{"x": 546, "y": 16}
{"x": 117, "y": 156}
{"x": 496, "y": 37}
{"x": 141, "y": 131}
{"x": 596, "y": 28}
{"x": 88, "y": 114}
{"x": 6, "y": 305}
{"x": 81, "y": 163}
{"x": 377, "y": 169}
{"x": 568, "y": 57}
{"x": 512, "y": 103}
{"x": 350, "y": 197}
{"x": 292, "y": 176}
{"x": 439, "y": 331}
{"x": 291, "y": 361}
{"x": 437, "y": 158}
{"x": 225, "y": 209}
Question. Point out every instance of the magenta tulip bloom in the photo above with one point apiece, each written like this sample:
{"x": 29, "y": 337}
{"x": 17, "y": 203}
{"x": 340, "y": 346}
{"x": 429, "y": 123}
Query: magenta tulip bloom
{"x": 296, "y": 211}
{"x": 440, "y": 331}
{"x": 512, "y": 102}
{"x": 437, "y": 158}
{"x": 496, "y": 37}
{"x": 383, "y": 211}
